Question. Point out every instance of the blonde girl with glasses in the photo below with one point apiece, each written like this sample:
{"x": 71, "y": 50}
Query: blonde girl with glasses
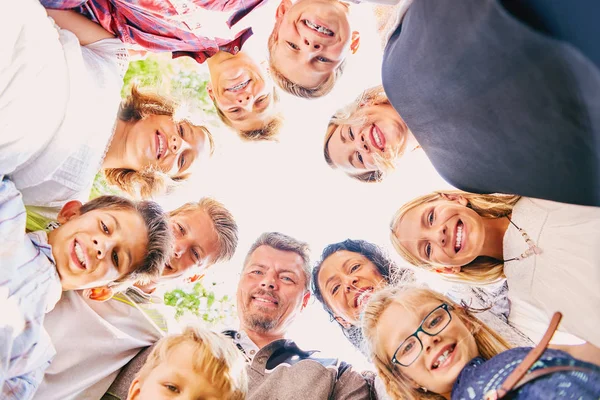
{"x": 542, "y": 248}
{"x": 439, "y": 350}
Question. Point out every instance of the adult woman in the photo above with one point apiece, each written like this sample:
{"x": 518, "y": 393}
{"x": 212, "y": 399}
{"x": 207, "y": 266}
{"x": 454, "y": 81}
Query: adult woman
{"x": 141, "y": 152}
{"x": 365, "y": 138}
{"x": 542, "y": 248}
{"x": 350, "y": 272}
{"x": 496, "y": 106}
{"x": 440, "y": 345}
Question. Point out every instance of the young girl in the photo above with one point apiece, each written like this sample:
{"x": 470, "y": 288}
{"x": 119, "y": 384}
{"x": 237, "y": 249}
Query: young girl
{"x": 441, "y": 351}
{"x": 547, "y": 251}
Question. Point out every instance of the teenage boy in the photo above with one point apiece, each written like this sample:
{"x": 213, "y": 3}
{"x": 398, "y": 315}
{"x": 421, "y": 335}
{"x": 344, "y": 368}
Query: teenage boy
{"x": 309, "y": 44}
{"x": 104, "y": 336}
{"x": 108, "y": 243}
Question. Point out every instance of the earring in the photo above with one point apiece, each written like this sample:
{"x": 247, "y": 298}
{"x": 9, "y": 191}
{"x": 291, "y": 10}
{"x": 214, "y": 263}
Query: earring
{"x": 52, "y": 225}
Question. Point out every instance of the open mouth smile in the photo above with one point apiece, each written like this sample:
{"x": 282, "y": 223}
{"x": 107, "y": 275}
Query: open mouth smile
{"x": 161, "y": 145}
{"x": 239, "y": 86}
{"x": 377, "y": 138}
{"x": 362, "y": 296}
{"x": 459, "y": 236}
{"x": 318, "y": 28}
{"x": 78, "y": 255}
{"x": 265, "y": 300}
{"x": 444, "y": 357}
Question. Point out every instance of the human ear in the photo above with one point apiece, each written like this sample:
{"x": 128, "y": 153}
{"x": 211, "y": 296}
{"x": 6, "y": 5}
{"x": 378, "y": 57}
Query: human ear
{"x": 68, "y": 211}
{"x": 355, "y": 42}
{"x": 305, "y": 300}
{"x": 343, "y": 322}
{"x": 455, "y": 269}
{"x": 283, "y": 7}
{"x": 102, "y": 293}
{"x": 134, "y": 389}
{"x": 209, "y": 89}
{"x": 457, "y": 198}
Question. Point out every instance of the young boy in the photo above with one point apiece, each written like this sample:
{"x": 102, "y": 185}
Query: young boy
{"x": 309, "y": 44}
{"x": 105, "y": 243}
{"x": 192, "y": 365}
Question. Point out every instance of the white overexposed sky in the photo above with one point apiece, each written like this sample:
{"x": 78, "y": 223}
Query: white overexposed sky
{"x": 288, "y": 187}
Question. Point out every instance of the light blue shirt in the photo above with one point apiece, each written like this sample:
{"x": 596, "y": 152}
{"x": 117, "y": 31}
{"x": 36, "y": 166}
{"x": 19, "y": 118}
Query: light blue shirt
{"x": 29, "y": 287}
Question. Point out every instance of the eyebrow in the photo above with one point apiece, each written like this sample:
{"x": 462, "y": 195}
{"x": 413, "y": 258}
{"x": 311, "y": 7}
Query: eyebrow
{"x": 125, "y": 250}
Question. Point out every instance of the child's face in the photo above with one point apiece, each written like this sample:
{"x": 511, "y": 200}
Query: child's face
{"x": 174, "y": 378}
{"x": 98, "y": 247}
{"x": 312, "y": 38}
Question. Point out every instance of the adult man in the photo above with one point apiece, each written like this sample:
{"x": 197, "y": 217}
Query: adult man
{"x": 94, "y": 340}
{"x": 273, "y": 289}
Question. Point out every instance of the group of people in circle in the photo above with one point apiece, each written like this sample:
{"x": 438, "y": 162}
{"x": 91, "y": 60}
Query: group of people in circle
{"x": 502, "y": 96}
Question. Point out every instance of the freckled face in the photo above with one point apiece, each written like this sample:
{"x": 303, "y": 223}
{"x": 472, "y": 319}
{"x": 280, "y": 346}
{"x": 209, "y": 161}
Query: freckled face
{"x": 347, "y": 280}
{"x": 160, "y": 142}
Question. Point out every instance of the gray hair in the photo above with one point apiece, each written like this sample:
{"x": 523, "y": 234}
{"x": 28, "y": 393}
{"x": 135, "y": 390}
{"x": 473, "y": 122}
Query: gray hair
{"x": 279, "y": 241}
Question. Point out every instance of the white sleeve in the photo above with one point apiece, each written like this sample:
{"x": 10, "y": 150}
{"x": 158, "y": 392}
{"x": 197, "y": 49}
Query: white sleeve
{"x": 106, "y": 55}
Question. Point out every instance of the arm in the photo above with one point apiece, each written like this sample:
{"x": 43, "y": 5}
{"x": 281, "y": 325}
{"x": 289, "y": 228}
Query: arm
{"x": 86, "y": 31}
{"x": 24, "y": 386}
{"x": 350, "y": 385}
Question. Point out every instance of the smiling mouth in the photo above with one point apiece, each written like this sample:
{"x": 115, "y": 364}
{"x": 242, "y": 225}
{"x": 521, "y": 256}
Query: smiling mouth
{"x": 318, "y": 28}
{"x": 266, "y": 300}
{"x": 377, "y": 138}
{"x": 458, "y": 236}
{"x": 79, "y": 255}
{"x": 442, "y": 360}
{"x": 362, "y": 296}
{"x": 239, "y": 86}
{"x": 161, "y": 146}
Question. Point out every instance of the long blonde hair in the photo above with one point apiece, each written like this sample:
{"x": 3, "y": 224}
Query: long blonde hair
{"x": 351, "y": 114}
{"x": 399, "y": 386}
{"x": 482, "y": 270}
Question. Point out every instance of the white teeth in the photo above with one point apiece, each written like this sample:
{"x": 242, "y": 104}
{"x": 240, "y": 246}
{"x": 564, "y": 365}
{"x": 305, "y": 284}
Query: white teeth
{"x": 79, "y": 254}
{"x": 459, "y": 236}
{"x": 363, "y": 297}
{"x": 318, "y": 28}
{"x": 441, "y": 359}
{"x": 263, "y": 300}
{"x": 161, "y": 144}
{"x": 377, "y": 139}
{"x": 239, "y": 86}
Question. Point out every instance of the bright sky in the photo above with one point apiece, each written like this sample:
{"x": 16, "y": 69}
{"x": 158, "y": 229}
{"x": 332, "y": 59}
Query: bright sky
{"x": 288, "y": 187}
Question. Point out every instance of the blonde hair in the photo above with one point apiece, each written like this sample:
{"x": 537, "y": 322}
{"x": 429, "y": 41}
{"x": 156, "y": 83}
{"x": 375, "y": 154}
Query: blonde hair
{"x": 351, "y": 114}
{"x": 224, "y": 224}
{"x": 489, "y": 343}
{"x": 482, "y": 270}
{"x": 150, "y": 181}
{"x": 295, "y": 89}
{"x": 215, "y": 357}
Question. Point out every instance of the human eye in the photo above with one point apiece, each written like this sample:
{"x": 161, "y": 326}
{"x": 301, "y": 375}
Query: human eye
{"x": 354, "y": 268}
{"x": 104, "y": 227}
{"x": 293, "y": 46}
{"x": 256, "y": 272}
{"x": 287, "y": 279}
{"x": 434, "y": 322}
{"x": 323, "y": 59}
{"x": 360, "y": 158}
{"x": 171, "y": 388}
{"x": 195, "y": 255}
{"x": 181, "y": 161}
{"x": 428, "y": 250}
{"x": 335, "y": 289}
{"x": 407, "y": 348}
{"x": 180, "y": 129}
{"x": 181, "y": 230}
{"x": 261, "y": 100}
{"x": 234, "y": 110}
{"x": 430, "y": 217}
{"x": 350, "y": 133}
{"x": 115, "y": 258}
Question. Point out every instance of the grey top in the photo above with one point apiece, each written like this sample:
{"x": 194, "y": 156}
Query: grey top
{"x": 496, "y": 106}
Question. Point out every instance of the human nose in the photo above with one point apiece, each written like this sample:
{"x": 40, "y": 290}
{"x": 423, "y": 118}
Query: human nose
{"x": 175, "y": 143}
{"x": 179, "y": 249}
{"x": 351, "y": 283}
{"x": 313, "y": 44}
{"x": 427, "y": 341}
{"x": 360, "y": 141}
{"x": 269, "y": 281}
{"x": 103, "y": 247}
{"x": 244, "y": 98}
{"x": 442, "y": 235}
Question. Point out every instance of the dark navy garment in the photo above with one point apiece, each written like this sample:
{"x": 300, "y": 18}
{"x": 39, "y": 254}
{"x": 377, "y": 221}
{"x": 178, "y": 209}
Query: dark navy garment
{"x": 497, "y": 106}
{"x": 480, "y": 376}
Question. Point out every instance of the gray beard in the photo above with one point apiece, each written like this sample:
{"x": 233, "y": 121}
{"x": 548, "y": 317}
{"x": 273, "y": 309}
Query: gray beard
{"x": 259, "y": 323}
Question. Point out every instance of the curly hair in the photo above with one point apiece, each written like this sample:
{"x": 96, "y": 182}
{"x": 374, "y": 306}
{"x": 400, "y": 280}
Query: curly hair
{"x": 390, "y": 272}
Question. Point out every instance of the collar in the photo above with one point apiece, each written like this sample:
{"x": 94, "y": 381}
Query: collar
{"x": 40, "y": 241}
{"x": 244, "y": 344}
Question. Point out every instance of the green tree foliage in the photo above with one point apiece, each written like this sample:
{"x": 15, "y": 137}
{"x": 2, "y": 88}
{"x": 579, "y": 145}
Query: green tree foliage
{"x": 180, "y": 77}
{"x": 201, "y": 302}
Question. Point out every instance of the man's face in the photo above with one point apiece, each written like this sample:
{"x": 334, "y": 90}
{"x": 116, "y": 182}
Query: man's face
{"x": 98, "y": 247}
{"x": 271, "y": 290}
{"x": 196, "y": 243}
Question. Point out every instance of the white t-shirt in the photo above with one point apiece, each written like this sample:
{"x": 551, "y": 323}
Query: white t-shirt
{"x": 93, "y": 341}
{"x": 565, "y": 277}
{"x": 58, "y": 107}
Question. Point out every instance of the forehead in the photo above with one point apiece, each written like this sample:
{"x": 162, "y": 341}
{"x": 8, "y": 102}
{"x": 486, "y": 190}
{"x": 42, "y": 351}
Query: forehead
{"x": 334, "y": 264}
{"x": 201, "y": 229}
{"x": 268, "y": 257}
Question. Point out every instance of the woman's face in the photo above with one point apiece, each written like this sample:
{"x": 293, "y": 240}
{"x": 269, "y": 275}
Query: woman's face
{"x": 442, "y": 232}
{"x": 354, "y": 147}
{"x": 443, "y": 356}
{"x": 160, "y": 142}
{"x": 347, "y": 280}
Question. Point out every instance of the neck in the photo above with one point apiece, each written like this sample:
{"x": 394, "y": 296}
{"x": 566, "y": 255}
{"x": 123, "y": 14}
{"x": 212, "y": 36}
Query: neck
{"x": 495, "y": 228}
{"x": 261, "y": 339}
{"x": 217, "y": 59}
{"x": 116, "y": 151}
{"x": 148, "y": 288}
{"x": 51, "y": 242}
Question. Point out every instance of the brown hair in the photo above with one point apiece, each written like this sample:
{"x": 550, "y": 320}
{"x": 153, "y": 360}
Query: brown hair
{"x": 295, "y": 89}
{"x": 150, "y": 181}
{"x": 279, "y": 241}
{"x": 158, "y": 249}
{"x": 489, "y": 343}
{"x": 223, "y": 224}
{"x": 215, "y": 357}
{"x": 482, "y": 270}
